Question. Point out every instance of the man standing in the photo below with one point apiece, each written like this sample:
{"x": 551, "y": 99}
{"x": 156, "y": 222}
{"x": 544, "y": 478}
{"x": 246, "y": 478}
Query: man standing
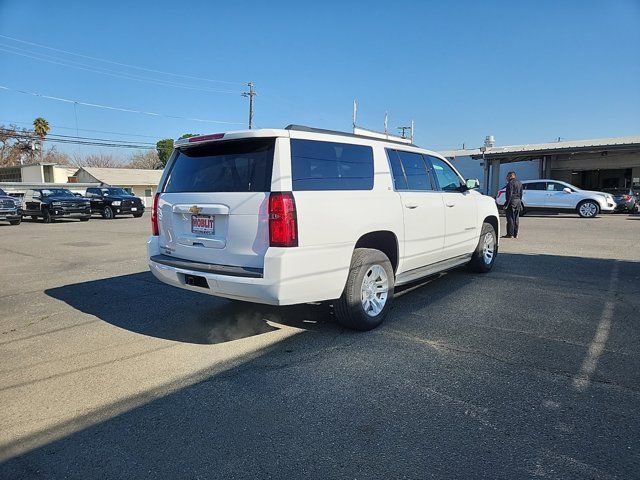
{"x": 513, "y": 205}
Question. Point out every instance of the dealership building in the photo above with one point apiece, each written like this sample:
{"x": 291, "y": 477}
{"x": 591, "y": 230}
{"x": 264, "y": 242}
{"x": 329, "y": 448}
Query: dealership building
{"x": 599, "y": 164}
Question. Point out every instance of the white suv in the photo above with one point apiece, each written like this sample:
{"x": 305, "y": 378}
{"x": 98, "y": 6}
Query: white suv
{"x": 557, "y": 196}
{"x": 305, "y": 215}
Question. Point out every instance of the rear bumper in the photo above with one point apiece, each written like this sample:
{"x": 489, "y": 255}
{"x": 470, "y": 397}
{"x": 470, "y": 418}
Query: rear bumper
{"x": 200, "y": 267}
{"x": 290, "y": 275}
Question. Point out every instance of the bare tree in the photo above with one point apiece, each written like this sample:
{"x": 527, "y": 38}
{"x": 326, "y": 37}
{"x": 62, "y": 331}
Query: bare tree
{"x": 147, "y": 160}
{"x": 15, "y": 145}
{"x": 54, "y": 156}
{"x": 101, "y": 160}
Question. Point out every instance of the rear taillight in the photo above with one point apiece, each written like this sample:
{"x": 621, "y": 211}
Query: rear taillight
{"x": 283, "y": 224}
{"x": 201, "y": 138}
{"x": 500, "y": 192}
{"x": 626, "y": 197}
{"x": 154, "y": 216}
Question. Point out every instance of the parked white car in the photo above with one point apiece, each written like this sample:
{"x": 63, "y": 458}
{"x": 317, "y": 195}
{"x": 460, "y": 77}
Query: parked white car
{"x": 557, "y": 196}
{"x": 304, "y": 215}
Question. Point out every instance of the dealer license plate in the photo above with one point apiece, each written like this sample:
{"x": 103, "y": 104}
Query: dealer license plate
{"x": 134, "y": 209}
{"x": 204, "y": 224}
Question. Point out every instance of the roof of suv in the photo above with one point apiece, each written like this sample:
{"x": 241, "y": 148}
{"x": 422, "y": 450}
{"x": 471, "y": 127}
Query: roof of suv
{"x": 286, "y": 132}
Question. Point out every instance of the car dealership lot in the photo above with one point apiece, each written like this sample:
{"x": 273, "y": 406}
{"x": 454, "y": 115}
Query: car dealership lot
{"x": 530, "y": 371}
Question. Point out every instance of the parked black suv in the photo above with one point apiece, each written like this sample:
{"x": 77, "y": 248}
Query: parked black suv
{"x": 52, "y": 203}
{"x": 112, "y": 201}
{"x": 10, "y": 209}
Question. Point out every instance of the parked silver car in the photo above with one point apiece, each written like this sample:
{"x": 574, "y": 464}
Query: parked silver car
{"x": 557, "y": 196}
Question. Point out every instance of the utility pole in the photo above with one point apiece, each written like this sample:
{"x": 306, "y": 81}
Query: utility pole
{"x": 251, "y": 93}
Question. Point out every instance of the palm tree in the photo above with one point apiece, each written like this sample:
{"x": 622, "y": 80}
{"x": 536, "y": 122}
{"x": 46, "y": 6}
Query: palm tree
{"x": 41, "y": 127}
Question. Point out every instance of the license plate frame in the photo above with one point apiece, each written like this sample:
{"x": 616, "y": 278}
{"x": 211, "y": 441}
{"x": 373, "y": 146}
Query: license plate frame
{"x": 134, "y": 209}
{"x": 203, "y": 224}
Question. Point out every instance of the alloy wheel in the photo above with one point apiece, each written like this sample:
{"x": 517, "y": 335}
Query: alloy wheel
{"x": 375, "y": 290}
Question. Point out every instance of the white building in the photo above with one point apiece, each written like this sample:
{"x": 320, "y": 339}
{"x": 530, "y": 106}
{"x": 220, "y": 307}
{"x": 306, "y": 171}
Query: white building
{"x": 605, "y": 163}
{"x": 38, "y": 173}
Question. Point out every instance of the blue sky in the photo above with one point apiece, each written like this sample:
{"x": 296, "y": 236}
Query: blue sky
{"x": 525, "y": 72}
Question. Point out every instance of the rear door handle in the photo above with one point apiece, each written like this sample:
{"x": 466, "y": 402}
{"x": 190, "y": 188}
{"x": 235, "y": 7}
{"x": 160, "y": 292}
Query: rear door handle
{"x": 450, "y": 205}
{"x": 411, "y": 205}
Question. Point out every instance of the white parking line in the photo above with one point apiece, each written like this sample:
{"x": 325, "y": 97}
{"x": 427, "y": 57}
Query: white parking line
{"x": 582, "y": 379}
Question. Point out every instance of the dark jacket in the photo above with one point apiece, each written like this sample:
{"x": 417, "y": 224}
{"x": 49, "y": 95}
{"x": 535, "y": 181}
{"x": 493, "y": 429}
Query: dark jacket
{"x": 513, "y": 194}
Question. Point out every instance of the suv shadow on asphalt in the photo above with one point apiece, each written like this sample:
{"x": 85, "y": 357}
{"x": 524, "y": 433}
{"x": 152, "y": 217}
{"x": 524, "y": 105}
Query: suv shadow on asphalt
{"x": 140, "y": 303}
{"x": 469, "y": 377}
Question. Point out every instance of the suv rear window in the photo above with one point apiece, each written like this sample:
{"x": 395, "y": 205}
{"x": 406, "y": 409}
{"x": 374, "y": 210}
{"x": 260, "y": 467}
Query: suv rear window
{"x": 233, "y": 166}
{"x": 317, "y": 165}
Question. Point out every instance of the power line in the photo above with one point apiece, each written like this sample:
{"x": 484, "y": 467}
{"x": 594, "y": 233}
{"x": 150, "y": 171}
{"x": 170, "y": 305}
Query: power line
{"x": 85, "y": 141}
{"x": 119, "y": 63}
{"x": 100, "y": 144}
{"x": 73, "y": 137}
{"x": 118, "y": 109}
{"x": 82, "y": 129}
{"x": 103, "y": 71}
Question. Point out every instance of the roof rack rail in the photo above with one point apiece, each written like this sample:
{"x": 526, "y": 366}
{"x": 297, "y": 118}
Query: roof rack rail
{"x": 374, "y": 135}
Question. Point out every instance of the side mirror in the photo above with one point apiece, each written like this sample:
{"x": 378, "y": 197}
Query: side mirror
{"x": 472, "y": 183}
{"x": 567, "y": 190}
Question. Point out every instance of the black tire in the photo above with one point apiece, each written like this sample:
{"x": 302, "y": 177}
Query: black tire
{"x": 15, "y": 222}
{"x": 46, "y": 216}
{"x": 137, "y": 215}
{"x": 34, "y": 218}
{"x": 108, "y": 214}
{"x": 523, "y": 211}
{"x": 480, "y": 262}
{"x": 588, "y": 209}
{"x": 349, "y": 308}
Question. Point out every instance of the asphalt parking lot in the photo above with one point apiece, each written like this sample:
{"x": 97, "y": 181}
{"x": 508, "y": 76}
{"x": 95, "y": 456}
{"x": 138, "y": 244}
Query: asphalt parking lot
{"x": 531, "y": 371}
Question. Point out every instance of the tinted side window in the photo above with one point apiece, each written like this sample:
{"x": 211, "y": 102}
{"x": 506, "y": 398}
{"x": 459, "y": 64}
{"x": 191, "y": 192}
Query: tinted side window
{"x": 397, "y": 172}
{"x": 534, "y": 186}
{"x": 448, "y": 179}
{"x": 415, "y": 170}
{"x": 319, "y": 165}
{"x": 233, "y": 166}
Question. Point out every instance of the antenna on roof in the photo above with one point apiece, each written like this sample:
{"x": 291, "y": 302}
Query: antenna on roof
{"x": 403, "y": 130}
{"x": 355, "y": 114}
{"x": 380, "y": 135}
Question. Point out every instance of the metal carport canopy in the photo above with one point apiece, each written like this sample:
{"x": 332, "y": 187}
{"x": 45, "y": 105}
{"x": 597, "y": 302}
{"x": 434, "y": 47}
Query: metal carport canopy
{"x": 514, "y": 153}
